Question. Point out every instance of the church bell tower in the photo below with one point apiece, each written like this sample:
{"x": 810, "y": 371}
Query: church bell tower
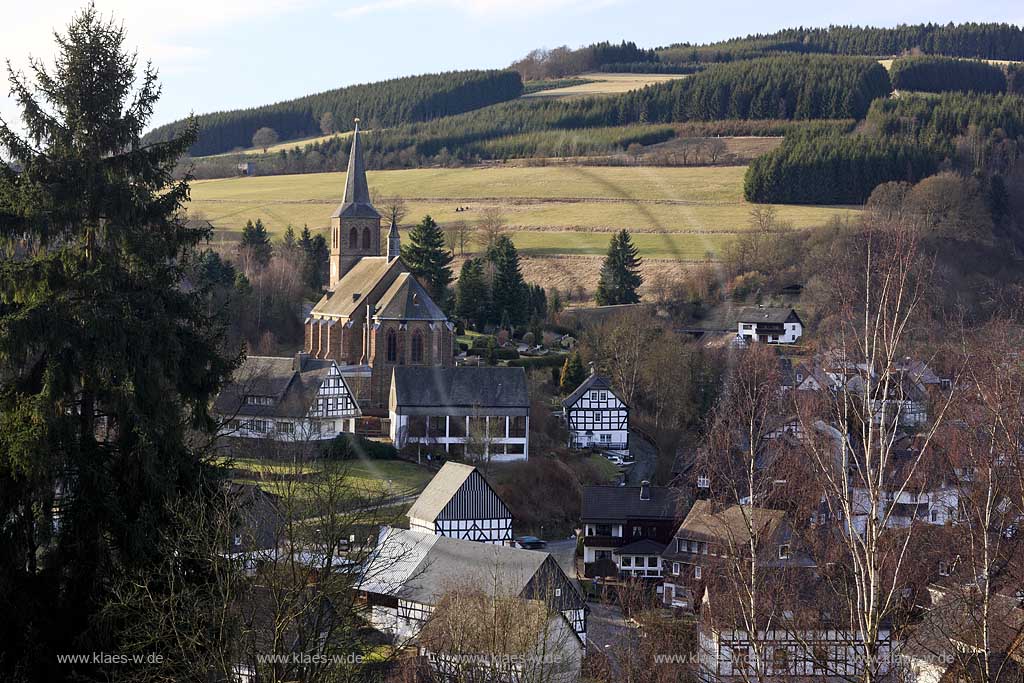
{"x": 355, "y": 225}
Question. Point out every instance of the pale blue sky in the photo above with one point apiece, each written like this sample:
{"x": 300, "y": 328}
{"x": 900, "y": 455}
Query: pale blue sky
{"x": 224, "y": 54}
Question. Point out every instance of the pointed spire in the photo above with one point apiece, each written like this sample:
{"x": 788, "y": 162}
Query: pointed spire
{"x": 394, "y": 242}
{"x": 356, "y": 203}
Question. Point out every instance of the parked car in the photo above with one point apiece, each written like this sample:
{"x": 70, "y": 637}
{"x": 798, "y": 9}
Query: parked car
{"x": 531, "y": 543}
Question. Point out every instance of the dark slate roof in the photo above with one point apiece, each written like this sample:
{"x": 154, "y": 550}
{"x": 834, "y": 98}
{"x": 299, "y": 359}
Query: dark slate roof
{"x": 406, "y": 299}
{"x": 353, "y": 290}
{"x": 293, "y": 389}
{"x": 644, "y": 546}
{"x": 461, "y": 391}
{"x": 619, "y": 503}
{"x": 356, "y": 202}
{"x": 595, "y": 381}
{"x": 767, "y": 315}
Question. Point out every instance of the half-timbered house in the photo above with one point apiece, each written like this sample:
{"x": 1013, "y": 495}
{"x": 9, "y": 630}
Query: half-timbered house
{"x": 459, "y": 503}
{"x": 597, "y": 416}
{"x": 287, "y": 399}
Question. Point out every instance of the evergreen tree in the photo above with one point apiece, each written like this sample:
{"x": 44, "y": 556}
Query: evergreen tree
{"x": 472, "y": 295}
{"x": 256, "y": 242}
{"x": 426, "y": 256}
{"x": 288, "y": 242}
{"x": 509, "y": 293}
{"x": 107, "y": 363}
{"x": 620, "y": 273}
{"x": 573, "y": 373}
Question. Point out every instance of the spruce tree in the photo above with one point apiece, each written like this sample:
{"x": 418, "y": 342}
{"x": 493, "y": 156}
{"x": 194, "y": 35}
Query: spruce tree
{"x": 255, "y": 242}
{"x": 509, "y": 293}
{"x": 107, "y": 362}
{"x": 620, "y": 273}
{"x": 573, "y": 373}
{"x": 426, "y": 256}
{"x": 472, "y": 295}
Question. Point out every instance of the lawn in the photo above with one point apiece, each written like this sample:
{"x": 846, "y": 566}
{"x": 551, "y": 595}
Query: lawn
{"x": 288, "y": 144}
{"x": 679, "y": 213}
{"x": 606, "y": 84}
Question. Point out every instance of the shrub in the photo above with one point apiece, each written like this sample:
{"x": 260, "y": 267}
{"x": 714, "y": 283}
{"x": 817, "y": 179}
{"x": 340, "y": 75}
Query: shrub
{"x": 347, "y": 446}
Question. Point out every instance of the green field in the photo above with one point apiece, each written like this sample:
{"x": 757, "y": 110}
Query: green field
{"x": 373, "y": 477}
{"x": 679, "y": 213}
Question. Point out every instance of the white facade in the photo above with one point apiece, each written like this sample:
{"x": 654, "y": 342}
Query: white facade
{"x": 332, "y": 411}
{"x": 595, "y": 553}
{"x": 495, "y": 531}
{"x": 598, "y": 419}
{"x": 790, "y": 333}
{"x": 501, "y": 438}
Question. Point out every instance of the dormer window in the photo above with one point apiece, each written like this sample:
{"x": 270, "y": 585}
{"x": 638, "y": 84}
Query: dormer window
{"x": 254, "y": 400}
{"x": 784, "y": 551}
{"x": 415, "y": 299}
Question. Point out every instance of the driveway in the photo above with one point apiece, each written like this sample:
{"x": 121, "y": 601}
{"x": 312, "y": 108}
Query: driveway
{"x": 607, "y": 629}
{"x": 646, "y": 459}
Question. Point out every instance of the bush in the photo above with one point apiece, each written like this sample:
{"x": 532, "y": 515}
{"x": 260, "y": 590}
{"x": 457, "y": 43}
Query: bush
{"x": 552, "y": 360}
{"x": 347, "y": 446}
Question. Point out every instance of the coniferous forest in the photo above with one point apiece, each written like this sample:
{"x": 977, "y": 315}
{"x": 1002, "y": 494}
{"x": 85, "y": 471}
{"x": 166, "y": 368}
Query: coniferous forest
{"x": 946, "y": 74}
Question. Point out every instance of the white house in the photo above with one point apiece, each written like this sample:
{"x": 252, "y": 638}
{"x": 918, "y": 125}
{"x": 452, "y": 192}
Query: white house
{"x": 628, "y": 527}
{"x": 287, "y": 399}
{"x": 459, "y": 503}
{"x": 597, "y": 416}
{"x": 476, "y": 413}
{"x": 770, "y": 325}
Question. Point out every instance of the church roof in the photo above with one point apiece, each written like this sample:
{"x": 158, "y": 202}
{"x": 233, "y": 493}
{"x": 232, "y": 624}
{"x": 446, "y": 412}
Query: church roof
{"x": 356, "y": 202}
{"x": 406, "y": 299}
{"x": 353, "y": 289}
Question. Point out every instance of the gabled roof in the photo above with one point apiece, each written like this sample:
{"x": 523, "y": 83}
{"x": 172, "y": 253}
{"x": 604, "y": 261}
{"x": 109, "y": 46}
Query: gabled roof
{"x": 595, "y": 381}
{"x": 406, "y": 299}
{"x": 445, "y": 486}
{"x": 422, "y": 567}
{"x": 460, "y": 390}
{"x": 644, "y": 546}
{"x": 356, "y": 202}
{"x": 352, "y": 291}
{"x": 619, "y": 503}
{"x": 776, "y": 316}
{"x": 728, "y": 524}
{"x": 291, "y": 382}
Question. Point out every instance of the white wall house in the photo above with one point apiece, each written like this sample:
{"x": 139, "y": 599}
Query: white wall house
{"x": 597, "y": 416}
{"x": 472, "y": 413}
{"x": 459, "y": 503}
{"x": 287, "y": 399}
{"x": 770, "y": 325}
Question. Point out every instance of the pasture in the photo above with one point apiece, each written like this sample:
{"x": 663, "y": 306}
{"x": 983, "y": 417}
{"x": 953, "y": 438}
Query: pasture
{"x": 606, "y": 84}
{"x": 674, "y": 213}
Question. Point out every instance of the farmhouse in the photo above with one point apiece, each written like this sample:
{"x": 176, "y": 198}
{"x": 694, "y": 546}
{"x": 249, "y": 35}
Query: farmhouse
{"x": 625, "y": 529}
{"x": 459, "y": 503}
{"x": 770, "y": 325}
{"x": 471, "y": 412}
{"x": 412, "y": 577}
{"x": 375, "y": 316}
{"x": 597, "y": 416}
{"x": 287, "y": 399}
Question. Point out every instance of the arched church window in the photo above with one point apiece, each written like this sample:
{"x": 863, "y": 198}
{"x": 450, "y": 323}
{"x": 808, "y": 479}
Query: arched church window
{"x": 391, "y": 346}
{"x": 353, "y": 239}
{"x": 417, "y": 347}
{"x": 366, "y": 238}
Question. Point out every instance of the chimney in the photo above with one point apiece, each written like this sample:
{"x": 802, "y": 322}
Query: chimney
{"x": 356, "y": 296}
{"x": 299, "y": 361}
{"x": 645, "y": 490}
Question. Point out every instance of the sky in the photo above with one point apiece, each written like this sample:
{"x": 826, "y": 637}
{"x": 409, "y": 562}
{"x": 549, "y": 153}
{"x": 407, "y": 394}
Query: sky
{"x": 226, "y": 54}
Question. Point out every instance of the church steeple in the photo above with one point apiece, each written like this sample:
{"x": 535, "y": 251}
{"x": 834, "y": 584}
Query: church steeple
{"x": 355, "y": 225}
{"x": 356, "y": 202}
{"x": 394, "y": 242}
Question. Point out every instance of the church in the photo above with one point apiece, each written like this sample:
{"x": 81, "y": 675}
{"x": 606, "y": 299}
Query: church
{"x": 375, "y": 315}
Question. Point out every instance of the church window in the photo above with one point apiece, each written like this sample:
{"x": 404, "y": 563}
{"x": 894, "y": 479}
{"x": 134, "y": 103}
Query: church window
{"x": 366, "y": 238}
{"x": 391, "y": 347}
{"x": 417, "y": 348}
{"x": 353, "y": 239}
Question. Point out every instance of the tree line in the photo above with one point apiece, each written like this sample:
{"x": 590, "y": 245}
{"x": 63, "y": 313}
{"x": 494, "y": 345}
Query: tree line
{"x": 905, "y": 139}
{"x": 385, "y": 103}
{"x": 977, "y": 40}
{"x": 946, "y": 74}
{"x": 564, "y": 61}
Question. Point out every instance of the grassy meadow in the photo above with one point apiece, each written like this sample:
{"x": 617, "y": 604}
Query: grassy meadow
{"x": 674, "y": 213}
{"x": 606, "y": 84}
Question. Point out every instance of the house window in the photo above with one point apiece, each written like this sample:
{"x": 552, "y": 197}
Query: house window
{"x": 696, "y": 571}
{"x": 238, "y": 540}
{"x": 517, "y": 427}
{"x": 935, "y": 516}
{"x": 286, "y": 427}
{"x": 391, "y": 346}
{"x": 652, "y": 561}
{"x": 784, "y": 551}
{"x": 366, "y": 238}
{"x": 943, "y": 568}
{"x": 558, "y": 592}
{"x": 603, "y": 396}
{"x": 637, "y": 530}
{"x": 605, "y": 437}
{"x": 603, "y": 529}
{"x": 417, "y": 347}
{"x": 598, "y": 416}
{"x": 780, "y": 660}
{"x": 627, "y": 561}
{"x": 253, "y": 400}
{"x": 675, "y": 568}
{"x": 353, "y": 239}
{"x": 703, "y": 481}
